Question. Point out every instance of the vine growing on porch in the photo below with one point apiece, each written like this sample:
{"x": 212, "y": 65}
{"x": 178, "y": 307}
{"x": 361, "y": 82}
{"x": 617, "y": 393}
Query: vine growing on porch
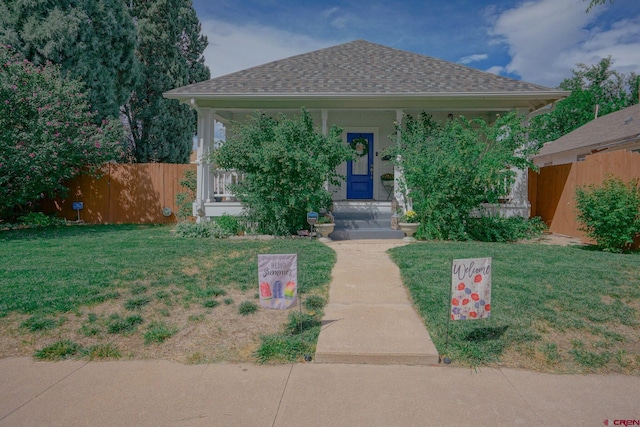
{"x": 286, "y": 163}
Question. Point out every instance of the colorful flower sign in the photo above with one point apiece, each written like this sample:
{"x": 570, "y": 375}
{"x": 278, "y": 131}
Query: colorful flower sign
{"x": 277, "y": 280}
{"x": 471, "y": 289}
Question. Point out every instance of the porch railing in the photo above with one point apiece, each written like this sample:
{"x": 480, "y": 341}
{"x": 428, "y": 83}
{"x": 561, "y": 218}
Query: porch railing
{"x": 220, "y": 182}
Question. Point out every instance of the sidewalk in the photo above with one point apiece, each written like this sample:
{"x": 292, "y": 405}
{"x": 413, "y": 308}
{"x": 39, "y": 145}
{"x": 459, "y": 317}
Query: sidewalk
{"x": 160, "y": 393}
{"x": 382, "y": 373}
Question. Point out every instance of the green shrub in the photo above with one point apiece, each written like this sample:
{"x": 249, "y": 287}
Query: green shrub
{"x": 39, "y": 219}
{"x": 610, "y": 214}
{"x": 498, "y": 229}
{"x": 230, "y": 224}
{"x": 286, "y": 163}
{"x": 202, "y": 230}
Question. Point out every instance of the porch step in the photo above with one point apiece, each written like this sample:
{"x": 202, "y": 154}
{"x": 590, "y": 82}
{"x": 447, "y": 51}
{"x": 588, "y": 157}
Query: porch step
{"x": 363, "y": 220}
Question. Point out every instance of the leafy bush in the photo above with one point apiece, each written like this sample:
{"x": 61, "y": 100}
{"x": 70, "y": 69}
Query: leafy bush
{"x": 39, "y": 219}
{"x": 286, "y": 163}
{"x": 201, "y": 230}
{"x": 47, "y": 134}
{"x": 230, "y": 224}
{"x": 451, "y": 168}
{"x": 498, "y": 229}
{"x": 610, "y": 214}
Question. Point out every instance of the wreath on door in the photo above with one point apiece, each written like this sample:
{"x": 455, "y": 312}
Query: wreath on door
{"x": 360, "y": 146}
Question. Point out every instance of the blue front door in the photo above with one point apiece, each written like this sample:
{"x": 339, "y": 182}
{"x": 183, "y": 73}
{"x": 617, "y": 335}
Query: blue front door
{"x": 360, "y": 170}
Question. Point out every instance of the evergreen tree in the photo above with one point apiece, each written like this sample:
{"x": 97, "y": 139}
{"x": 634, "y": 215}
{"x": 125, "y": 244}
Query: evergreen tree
{"x": 92, "y": 40}
{"x": 596, "y": 86}
{"x": 170, "y": 55}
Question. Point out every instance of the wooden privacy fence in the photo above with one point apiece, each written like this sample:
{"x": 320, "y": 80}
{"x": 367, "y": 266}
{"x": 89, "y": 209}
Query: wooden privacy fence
{"x": 552, "y": 191}
{"x": 124, "y": 193}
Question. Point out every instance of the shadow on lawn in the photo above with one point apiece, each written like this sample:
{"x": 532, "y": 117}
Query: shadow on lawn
{"x": 486, "y": 334}
{"x": 75, "y": 230}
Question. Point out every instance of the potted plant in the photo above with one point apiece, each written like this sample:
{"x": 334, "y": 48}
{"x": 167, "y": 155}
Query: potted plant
{"x": 387, "y": 177}
{"x": 409, "y": 224}
{"x": 325, "y": 225}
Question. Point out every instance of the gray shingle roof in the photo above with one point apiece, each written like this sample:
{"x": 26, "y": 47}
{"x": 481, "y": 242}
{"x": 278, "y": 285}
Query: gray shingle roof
{"x": 618, "y": 126}
{"x": 358, "y": 68}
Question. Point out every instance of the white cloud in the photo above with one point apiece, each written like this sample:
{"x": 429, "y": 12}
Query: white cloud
{"x": 237, "y": 47}
{"x": 496, "y": 69}
{"x": 547, "y": 38}
{"x": 473, "y": 58}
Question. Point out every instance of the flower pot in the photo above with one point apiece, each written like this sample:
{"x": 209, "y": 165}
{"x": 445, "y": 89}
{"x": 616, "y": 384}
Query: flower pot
{"x": 409, "y": 228}
{"x": 324, "y": 229}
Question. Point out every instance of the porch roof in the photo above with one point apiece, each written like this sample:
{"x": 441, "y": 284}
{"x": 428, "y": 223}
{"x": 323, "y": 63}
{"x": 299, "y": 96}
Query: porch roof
{"x": 361, "y": 74}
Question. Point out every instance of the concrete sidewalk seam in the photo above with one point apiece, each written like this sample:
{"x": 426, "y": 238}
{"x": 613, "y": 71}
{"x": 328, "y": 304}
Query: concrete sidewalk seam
{"x": 284, "y": 389}
{"x": 43, "y": 391}
{"x": 535, "y": 413}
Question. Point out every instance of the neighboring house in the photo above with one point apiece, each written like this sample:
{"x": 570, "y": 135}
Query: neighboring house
{"x": 362, "y": 87}
{"x": 615, "y": 131}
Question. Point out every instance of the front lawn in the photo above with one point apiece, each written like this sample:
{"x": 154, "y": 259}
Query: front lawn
{"x": 140, "y": 292}
{"x": 554, "y": 309}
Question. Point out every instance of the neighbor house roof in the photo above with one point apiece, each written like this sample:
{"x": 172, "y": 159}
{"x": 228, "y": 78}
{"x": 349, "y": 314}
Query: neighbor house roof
{"x": 614, "y": 128}
{"x": 363, "y": 69}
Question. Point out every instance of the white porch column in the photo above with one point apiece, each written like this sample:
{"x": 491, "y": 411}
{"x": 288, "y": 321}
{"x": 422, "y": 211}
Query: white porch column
{"x": 205, "y": 136}
{"x": 398, "y": 180}
{"x": 325, "y": 117}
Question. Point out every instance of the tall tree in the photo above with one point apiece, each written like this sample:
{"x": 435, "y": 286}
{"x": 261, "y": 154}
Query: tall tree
{"x": 593, "y": 87}
{"x": 46, "y": 132}
{"x": 170, "y": 55}
{"x": 92, "y": 40}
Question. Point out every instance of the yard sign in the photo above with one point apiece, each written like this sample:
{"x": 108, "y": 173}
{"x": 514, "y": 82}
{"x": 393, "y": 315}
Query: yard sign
{"x": 278, "y": 280}
{"x": 470, "y": 289}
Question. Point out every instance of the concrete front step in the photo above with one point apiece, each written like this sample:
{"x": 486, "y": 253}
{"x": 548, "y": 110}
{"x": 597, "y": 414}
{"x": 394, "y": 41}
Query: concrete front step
{"x": 363, "y": 220}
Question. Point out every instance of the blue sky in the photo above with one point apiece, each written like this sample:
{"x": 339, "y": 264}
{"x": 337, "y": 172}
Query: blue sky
{"x": 538, "y": 41}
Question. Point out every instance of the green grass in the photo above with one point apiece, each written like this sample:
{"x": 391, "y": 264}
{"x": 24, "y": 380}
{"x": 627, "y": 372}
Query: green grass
{"x": 49, "y": 271}
{"x": 247, "y": 307}
{"x": 158, "y": 332}
{"x": 543, "y": 297}
{"x": 58, "y": 351}
{"x": 297, "y": 341}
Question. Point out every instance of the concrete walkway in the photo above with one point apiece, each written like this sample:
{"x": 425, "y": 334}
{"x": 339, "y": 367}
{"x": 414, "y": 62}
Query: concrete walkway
{"x": 161, "y": 393}
{"x": 369, "y": 318}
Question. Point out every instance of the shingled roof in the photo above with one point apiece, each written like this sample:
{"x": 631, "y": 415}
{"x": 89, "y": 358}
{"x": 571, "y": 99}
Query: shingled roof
{"x": 358, "y": 68}
{"x": 620, "y": 126}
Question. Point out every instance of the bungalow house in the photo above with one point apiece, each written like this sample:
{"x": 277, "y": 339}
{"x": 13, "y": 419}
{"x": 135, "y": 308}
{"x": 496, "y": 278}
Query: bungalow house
{"x": 615, "y": 131}
{"x": 362, "y": 87}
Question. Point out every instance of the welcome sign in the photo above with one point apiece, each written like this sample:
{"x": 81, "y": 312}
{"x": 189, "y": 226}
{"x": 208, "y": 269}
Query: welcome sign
{"x": 278, "y": 280}
{"x": 471, "y": 289}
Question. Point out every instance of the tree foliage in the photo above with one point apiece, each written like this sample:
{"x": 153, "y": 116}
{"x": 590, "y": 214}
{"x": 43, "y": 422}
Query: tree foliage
{"x": 594, "y": 3}
{"x": 47, "y": 133}
{"x": 610, "y": 213}
{"x": 92, "y": 40}
{"x": 286, "y": 163}
{"x": 170, "y": 55}
{"x": 596, "y": 85}
{"x": 451, "y": 168}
